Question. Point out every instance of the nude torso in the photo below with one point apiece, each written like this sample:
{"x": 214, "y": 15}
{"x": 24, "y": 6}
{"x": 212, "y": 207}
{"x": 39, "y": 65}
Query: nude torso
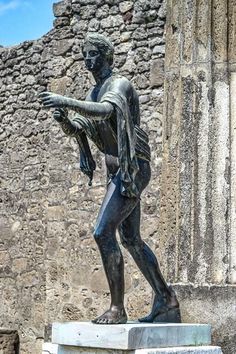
{"x": 104, "y": 128}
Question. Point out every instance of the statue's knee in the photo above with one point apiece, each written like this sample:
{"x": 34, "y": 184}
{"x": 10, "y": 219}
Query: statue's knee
{"x": 102, "y": 234}
{"x": 127, "y": 243}
{"x": 131, "y": 243}
{"x": 98, "y": 235}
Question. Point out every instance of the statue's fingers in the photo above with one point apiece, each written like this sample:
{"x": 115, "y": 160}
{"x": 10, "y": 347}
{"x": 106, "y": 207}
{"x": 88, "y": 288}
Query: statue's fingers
{"x": 44, "y": 94}
{"x": 48, "y": 100}
{"x": 62, "y": 112}
{"x": 46, "y": 103}
{"x": 45, "y": 100}
{"x": 50, "y": 105}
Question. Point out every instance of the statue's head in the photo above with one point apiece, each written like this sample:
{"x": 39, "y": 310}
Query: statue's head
{"x": 97, "y": 51}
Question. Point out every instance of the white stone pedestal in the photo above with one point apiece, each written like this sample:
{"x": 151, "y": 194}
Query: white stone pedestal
{"x": 49, "y": 348}
{"x": 133, "y": 338}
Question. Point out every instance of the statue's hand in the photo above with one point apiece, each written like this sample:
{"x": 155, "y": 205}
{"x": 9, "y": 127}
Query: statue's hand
{"x": 60, "y": 114}
{"x": 50, "y": 99}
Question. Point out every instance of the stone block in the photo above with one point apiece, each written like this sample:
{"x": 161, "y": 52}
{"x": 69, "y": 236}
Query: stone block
{"x": 157, "y": 73}
{"x": 60, "y": 85}
{"x": 61, "y": 22}
{"x": 61, "y": 8}
{"x": 111, "y": 22}
{"x": 62, "y": 46}
{"x": 126, "y": 6}
{"x": 159, "y": 49}
{"x": 131, "y": 335}
{"x": 181, "y": 350}
{"x": 50, "y": 348}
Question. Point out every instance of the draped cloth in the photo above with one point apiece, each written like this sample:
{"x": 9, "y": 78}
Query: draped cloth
{"x": 132, "y": 141}
{"x": 126, "y": 139}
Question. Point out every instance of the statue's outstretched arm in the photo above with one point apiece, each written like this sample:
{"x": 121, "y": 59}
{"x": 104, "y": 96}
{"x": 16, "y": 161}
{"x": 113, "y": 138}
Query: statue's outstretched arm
{"x": 90, "y": 110}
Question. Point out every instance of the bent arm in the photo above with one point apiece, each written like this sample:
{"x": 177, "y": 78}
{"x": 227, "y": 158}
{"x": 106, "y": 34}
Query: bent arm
{"x": 70, "y": 127}
{"x": 73, "y": 128}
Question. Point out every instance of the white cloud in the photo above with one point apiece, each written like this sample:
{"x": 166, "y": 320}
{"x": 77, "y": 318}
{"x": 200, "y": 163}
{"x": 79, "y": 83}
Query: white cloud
{"x": 12, "y": 5}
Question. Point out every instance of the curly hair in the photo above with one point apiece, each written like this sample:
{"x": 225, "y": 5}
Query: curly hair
{"x": 103, "y": 44}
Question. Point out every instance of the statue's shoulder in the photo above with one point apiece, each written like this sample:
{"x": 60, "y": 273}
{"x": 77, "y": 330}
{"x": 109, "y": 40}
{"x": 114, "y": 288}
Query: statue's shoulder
{"x": 120, "y": 82}
{"x": 120, "y": 78}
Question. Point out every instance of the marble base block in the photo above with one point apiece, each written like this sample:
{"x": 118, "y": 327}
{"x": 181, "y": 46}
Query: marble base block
{"x": 49, "y": 348}
{"x": 130, "y": 336}
{"x": 180, "y": 350}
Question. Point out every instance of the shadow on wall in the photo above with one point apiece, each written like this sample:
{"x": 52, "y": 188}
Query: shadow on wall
{"x": 9, "y": 342}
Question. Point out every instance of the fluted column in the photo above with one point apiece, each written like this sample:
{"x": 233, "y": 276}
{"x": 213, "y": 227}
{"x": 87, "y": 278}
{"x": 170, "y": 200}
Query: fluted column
{"x": 198, "y": 199}
{"x": 232, "y": 73}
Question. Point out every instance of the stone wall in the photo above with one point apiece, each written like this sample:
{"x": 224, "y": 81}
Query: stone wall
{"x": 50, "y": 268}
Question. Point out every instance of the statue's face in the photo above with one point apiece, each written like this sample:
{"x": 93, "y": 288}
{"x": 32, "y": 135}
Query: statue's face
{"x": 92, "y": 57}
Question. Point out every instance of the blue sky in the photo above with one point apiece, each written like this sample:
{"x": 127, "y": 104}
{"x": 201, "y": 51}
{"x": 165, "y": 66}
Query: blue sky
{"x": 22, "y": 20}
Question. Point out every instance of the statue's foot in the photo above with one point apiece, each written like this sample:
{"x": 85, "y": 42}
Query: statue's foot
{"x": 165, "y": 309}
{"x": 114, "y": 315}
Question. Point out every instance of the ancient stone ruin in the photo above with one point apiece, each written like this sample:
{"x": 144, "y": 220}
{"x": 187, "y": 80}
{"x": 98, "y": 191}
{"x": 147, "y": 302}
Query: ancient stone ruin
{"x": 50, "y": 268}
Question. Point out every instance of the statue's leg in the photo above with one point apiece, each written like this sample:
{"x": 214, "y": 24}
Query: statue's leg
{"x": 165, "y": 307}
{"x": 114, "y": 209}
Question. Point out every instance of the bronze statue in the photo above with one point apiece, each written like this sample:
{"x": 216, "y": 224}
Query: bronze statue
{"x": 110, "y": 118}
